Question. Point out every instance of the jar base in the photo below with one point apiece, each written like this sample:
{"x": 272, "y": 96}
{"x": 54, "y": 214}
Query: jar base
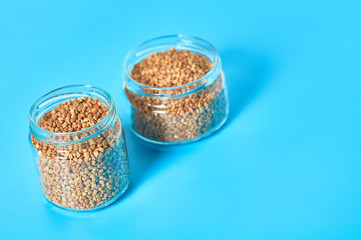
{"x": 207, "y": 134}
{"x": 115, "y": 198}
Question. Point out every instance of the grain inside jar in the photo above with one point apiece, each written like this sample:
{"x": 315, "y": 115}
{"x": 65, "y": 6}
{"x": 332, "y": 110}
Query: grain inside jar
{"x": 90, "y": 171}
{"x": 193, "y": 106}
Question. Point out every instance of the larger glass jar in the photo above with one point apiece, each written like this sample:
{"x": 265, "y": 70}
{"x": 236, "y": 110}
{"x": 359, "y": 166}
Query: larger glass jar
{"x": 82, "y": 170}
{"x": 181, "y": 114}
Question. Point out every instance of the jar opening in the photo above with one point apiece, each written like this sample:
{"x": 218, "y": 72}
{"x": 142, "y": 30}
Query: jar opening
{"x": 180, "y": 42}
{"x": 52, "y": 99}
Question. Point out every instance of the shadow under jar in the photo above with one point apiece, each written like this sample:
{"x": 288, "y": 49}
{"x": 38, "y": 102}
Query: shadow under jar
{"x": 82, "y": 170}
{"x": 180, "y": 114}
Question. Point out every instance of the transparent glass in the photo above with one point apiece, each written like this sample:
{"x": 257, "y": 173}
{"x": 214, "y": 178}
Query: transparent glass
{"x": 83, "y": 170}
{"x": 180, "y": 114}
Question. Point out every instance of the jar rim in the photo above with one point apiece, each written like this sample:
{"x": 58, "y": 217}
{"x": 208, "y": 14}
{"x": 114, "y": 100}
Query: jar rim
{"x": 36, "y": 130}
{"x": 215, "y": 67}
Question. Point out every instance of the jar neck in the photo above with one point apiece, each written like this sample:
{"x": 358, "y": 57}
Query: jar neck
{"x": 52, "y": 99}
{"x": 180, "y": 42}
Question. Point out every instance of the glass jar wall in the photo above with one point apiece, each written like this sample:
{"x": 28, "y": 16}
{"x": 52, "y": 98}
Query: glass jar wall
{"x": 181, "y": 114}
{"x": 81, "y": 170}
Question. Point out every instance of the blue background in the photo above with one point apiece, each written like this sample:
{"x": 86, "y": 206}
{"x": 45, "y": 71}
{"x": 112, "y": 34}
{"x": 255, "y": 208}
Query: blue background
{"x": 285, "y": 166}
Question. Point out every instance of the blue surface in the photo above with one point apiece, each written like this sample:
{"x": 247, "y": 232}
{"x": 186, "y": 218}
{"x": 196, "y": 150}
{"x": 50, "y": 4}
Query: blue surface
{"x": 286, "y": 165}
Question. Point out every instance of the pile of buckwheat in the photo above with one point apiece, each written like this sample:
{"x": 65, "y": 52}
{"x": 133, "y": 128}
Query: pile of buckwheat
{"x": 171, "y": 68}
{"x": 184, "y": 115}
{"x": 72, "y": 116}
{"x": 82, "y": 174}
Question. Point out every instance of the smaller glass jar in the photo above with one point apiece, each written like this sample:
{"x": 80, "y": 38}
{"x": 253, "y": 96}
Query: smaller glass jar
{"x": 82, "y": 170}
{"x": 181, "y": 114}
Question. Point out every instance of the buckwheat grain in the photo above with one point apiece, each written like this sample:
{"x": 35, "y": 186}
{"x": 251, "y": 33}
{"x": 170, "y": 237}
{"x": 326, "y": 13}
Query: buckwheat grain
{"x": 84, "y": 174}
{"x": 191, "y": 108}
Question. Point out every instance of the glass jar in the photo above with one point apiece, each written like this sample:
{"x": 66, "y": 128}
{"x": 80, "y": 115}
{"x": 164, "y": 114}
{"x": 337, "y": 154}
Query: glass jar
{"x": 179, "y": 114}
{"x": 82, "y": 170}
